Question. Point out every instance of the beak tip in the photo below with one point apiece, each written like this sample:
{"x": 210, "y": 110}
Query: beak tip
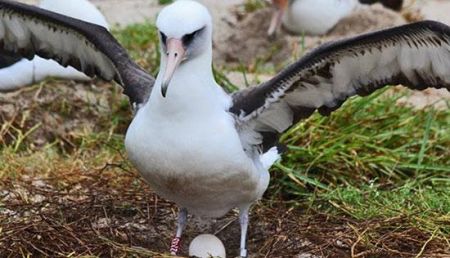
{"x": 164, "y": 90}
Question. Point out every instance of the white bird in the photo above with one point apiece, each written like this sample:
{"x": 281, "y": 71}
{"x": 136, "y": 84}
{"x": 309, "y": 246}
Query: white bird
{"x": 17, "y": 72}
{"x": 315, "y": 17}
{"x": 194, "y": 144}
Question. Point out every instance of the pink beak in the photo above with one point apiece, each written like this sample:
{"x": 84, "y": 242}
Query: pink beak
{"x": 175, "y": 55}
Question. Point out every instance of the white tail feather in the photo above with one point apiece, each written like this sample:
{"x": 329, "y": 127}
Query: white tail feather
{"x": 270, "y": 157}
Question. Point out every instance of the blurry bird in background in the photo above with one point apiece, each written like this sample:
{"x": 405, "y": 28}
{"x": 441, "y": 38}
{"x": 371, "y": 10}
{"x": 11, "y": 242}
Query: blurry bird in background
{"x": 17, "y": 72}
{"x": 316, "y": 17}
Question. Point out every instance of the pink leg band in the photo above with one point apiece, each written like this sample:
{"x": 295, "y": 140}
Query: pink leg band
{"x": 175, "y": 246}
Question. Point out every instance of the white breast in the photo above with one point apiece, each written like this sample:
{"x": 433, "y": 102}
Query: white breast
{"x": 194, "y": 159}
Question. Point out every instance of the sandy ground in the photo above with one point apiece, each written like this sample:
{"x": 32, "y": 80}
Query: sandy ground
{"x": 436, "y": 10}
{"x": 132, "y": 11}
{"x": 121, "y": 13}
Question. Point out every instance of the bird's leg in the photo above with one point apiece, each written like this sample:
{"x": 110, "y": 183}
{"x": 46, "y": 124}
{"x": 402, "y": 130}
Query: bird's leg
{"x": 181, "y": 224}
{"x": 243, "y": 219}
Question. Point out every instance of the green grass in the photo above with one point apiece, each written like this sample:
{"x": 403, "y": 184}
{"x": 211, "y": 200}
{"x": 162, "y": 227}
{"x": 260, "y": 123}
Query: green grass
{"x": 253, "y": 5}
{"x": 371, "y": 138}
{"x": 142, "y": 42}
{"x": 162, "y": 2}
{"x": 370, "y": 159}
{"x": 427, "y": 206}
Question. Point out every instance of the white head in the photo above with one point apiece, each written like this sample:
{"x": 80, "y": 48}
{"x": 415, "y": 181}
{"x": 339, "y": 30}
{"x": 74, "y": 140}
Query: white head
{"x": 185, "y": 29}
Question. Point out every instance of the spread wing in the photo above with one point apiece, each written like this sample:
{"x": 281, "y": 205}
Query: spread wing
{"x": 415, "y": 55}
{"x": 27, "y": 31}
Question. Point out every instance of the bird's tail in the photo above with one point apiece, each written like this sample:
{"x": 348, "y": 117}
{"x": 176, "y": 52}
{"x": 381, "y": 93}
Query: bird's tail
{"x": 270, "y": 157}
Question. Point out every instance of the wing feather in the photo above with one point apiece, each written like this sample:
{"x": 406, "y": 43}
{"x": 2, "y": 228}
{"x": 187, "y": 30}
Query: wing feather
{"x": 29, "y": 31}
{"x": 415, "y": 55}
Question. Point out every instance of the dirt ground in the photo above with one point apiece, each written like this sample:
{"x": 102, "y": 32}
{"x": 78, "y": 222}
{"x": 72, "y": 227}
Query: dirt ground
{"x": 87, "y": 211}
{"x": 111, "y": 212}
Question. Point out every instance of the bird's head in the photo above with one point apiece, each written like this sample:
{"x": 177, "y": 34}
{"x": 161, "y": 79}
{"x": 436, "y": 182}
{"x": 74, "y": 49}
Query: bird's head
{"x": 280, "y": 7}
{"x": 185, "y": 30}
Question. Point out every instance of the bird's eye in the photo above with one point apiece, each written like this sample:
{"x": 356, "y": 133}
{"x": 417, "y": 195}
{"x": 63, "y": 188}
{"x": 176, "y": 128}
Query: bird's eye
{"x": 163, "y": 37}
{"x": 188, "y": 38}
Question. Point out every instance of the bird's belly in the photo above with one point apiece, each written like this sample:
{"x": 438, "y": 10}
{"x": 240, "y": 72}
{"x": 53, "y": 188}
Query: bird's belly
{"x": 204, "y": 170}
{"x": 207, "y": 192}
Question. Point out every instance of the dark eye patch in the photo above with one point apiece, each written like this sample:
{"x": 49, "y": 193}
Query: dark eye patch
{"x": 163, "y": 37}
{"x": 188, "y": 38}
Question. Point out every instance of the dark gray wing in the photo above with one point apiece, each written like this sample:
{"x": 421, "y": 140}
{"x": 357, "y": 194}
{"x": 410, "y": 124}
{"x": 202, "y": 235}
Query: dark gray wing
{"x": 8, "y": 59}
{"x": 28, "y": 31}
{"x": 415, "y": 55}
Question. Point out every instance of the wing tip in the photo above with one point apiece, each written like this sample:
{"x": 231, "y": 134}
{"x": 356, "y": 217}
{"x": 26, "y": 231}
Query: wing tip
{"x": 434, "y": 25}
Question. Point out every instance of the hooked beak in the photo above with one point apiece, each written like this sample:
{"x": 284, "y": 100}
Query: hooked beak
{"x": 275, "y": 23}
{"x": 175, "y": 55}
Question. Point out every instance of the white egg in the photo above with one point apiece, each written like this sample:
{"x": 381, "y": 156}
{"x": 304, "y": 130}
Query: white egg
{"x": 207, "y": 245}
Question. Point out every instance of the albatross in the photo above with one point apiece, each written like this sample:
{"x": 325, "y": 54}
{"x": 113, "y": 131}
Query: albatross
{"x": 316, "y": 17}
{"x": 204, "y": 149}
{"x": 16, "y": 72}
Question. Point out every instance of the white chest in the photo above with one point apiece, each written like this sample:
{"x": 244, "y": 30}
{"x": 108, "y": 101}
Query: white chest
{"x": 195, "y": 161}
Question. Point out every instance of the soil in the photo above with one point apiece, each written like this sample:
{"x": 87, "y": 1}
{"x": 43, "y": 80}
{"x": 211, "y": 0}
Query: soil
{"x": 59, "y": 112}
